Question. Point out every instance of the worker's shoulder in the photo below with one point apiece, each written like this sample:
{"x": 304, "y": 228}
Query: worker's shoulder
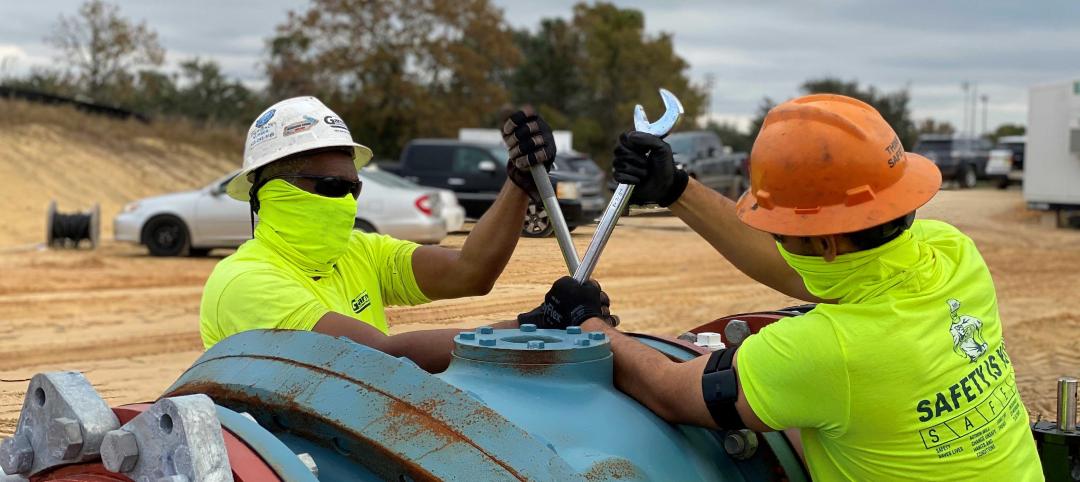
{"x": 249, "y": 264}
{"x": 372, "y": 245}
{"x": 816, "y": 323}
{"x": 935, "y": 230}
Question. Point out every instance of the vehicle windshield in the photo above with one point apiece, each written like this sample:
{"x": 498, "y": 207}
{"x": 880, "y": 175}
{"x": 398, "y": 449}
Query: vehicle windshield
{"x": 681, "y": 144}
{"x": 387, "y": 179}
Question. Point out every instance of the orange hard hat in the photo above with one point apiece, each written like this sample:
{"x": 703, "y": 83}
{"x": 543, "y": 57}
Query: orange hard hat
{"x": 830, "y": 164}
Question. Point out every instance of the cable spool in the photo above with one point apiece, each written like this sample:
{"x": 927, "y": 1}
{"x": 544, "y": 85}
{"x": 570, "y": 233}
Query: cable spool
{"x": 68, "y": 230}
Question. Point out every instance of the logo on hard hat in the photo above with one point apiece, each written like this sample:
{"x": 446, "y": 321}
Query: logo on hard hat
{"x": 336, "y": 123}
{"x": 263, "y": 119}
{"x": 966, "y": 333}
{"x": 298, "y": 127}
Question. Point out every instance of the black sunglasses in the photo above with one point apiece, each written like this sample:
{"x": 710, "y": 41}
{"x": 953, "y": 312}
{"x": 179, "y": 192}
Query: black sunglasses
{"x": 331, "y": 186}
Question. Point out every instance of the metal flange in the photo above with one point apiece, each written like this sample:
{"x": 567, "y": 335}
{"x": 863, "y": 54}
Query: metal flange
{"x": 63, "y": 421}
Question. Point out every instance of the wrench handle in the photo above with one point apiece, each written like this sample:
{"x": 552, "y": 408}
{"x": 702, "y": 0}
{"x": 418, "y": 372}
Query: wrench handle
{"x": 614, "y": 210}
{"x": 555, "y": 217}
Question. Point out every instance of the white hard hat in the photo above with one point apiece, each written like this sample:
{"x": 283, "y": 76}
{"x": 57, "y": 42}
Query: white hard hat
{"x": 293, "y": 125}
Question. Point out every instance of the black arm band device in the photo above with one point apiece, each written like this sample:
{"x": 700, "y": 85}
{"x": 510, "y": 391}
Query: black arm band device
{"x": 721, "y": 389}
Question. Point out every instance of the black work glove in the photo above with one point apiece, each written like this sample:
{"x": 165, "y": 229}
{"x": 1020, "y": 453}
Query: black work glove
{"x": 569, "y": 303}
{"x": 530, "y": 141}
{"x": 645, "y": 161}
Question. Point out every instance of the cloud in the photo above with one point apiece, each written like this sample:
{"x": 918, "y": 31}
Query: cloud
{"x": 753, "y": 48}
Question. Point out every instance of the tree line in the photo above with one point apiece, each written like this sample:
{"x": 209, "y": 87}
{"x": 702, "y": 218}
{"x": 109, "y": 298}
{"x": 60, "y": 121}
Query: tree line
{"x": 400, "y": 69}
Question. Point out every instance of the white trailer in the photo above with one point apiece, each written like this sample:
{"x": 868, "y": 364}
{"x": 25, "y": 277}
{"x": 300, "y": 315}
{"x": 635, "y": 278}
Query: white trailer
{"x": 1052, "y": 154}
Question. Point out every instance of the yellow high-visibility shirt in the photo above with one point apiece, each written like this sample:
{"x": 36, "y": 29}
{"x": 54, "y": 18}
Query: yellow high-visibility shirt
{"x": 906, "y": 378}
{"x": 256, "y": 288}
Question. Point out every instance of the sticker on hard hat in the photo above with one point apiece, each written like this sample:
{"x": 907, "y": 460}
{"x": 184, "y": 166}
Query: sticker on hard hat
{"x": 895, "y": 150}
{"x": 335, "y": 122}
{"x": 297, "y": 127}
{"x": 261, "y": 135}
{"x": 263, "y": 119}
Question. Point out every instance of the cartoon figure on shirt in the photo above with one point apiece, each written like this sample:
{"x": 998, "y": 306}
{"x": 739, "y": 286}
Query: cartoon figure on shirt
{"x": 966, "y": 333}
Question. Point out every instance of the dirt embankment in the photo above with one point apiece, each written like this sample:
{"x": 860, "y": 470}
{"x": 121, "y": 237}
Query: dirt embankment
{"x": 59, "y": 153}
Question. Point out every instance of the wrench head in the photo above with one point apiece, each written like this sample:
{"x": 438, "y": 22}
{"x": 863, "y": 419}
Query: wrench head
{"x": 673, "y": 111}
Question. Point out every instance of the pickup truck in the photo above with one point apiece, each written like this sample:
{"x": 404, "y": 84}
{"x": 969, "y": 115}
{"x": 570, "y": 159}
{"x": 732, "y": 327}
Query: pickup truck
{"x": 476, "y": 171}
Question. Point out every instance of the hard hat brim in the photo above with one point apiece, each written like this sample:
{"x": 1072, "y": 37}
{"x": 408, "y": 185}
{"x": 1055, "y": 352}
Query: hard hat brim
{"x": 239, "y": 187}
{"x": 920, "y": 182}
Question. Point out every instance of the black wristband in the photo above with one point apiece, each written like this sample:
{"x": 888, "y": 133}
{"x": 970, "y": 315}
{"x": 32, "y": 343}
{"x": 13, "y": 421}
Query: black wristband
{"x": 678, "y": 185}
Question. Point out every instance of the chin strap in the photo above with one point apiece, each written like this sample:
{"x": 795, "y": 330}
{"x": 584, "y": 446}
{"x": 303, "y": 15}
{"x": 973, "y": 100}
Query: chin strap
{"x": 253, "y": 200}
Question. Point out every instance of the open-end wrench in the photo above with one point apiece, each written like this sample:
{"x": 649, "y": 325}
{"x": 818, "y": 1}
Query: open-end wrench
{"x": 673, "y": 111}
{"x": 555, "y": 216}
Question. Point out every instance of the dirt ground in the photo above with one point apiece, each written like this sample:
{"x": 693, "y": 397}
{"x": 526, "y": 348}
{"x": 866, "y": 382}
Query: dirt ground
{"x": 130, "y": 322}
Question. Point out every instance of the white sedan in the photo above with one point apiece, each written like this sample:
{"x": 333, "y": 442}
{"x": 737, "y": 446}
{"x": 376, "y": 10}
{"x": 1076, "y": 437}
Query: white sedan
{"x": 194, "y": 222}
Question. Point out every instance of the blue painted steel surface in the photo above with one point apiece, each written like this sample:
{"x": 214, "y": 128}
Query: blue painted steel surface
{"x": 558, "y": 387}
{"x": 280, "y": 457}
{"x": 523, "y": 404}
{"x": 786, "y": 457}
{"x": 382, "y": 414}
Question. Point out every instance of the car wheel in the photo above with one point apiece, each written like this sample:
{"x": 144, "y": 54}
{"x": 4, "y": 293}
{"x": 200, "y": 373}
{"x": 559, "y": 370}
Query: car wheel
{"x": 537, "y": 224}
{"x": 361, "y": 225}
{"x": 166, "y": 236}
{"x": 967, "y": 177}
{"x": 1003, "y": 183}
{"x": 198, "y": 252}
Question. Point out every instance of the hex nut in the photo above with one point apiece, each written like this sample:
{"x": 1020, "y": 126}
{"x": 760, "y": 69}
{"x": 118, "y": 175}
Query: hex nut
{"x": 736, "y": 331}
{"x": 596, "y": 335}
{"x": 16, "y": 455}
{"x": 64, "y": 438}
{"x": 309, "y": 462}
{"x": 527, "y": 328}
{"x": 485, "y": 330}
{"x": 119, "y": 451}
{"x": 467, "y": 335}
{"x": 535, "y": 345}
{"x": 573, "y": 330}
{"x": 487, "y": 342}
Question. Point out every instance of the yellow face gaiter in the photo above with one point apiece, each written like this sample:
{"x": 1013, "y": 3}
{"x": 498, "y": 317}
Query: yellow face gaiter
{"x": 860, "y": 275}
{"x": 309, "y": 230}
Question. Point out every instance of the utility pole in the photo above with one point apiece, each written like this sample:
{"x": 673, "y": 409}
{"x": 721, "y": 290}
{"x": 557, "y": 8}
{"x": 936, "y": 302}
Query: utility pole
{"x": 986, "y": 107}
{"x": 966, "y": 87}
{"x": 710, "y": 84}
{"x": 974, "y": 109}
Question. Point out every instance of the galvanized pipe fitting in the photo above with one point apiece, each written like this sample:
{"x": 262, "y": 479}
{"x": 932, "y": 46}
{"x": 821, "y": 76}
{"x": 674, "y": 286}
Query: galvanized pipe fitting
{"x": 1066, "y": 404}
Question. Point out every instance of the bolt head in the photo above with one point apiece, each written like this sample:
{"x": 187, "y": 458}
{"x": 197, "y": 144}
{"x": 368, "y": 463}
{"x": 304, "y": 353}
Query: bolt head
{"x": 64, "y": 438}
{"x": 527, "y": 327}
{"x": 119, "y": 451}
{"x": 596, "y": 336}
{"x": 573, "y": 330}
{"x": 535, "y": 345}
{"x": 485, "y": 330}
{"x": 16, "y": 455}
{"x": 487, "y": 342}
{"x": 582, "y": 342}
{"x": 467, "y": 335}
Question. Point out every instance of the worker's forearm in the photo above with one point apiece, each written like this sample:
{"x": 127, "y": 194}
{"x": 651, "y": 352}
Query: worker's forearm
{"x": 491, "y": 242}
{"x": 651, "y": 378}
{"x": 753, "y": 252}
{"x": 430, "y": 349}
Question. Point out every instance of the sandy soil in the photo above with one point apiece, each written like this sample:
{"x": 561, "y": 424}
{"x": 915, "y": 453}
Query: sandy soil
{"x": 130, "y": 322}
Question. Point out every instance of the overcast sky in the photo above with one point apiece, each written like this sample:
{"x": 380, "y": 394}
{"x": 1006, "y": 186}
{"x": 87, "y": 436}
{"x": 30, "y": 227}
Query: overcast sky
{"x": 754, "y": 48}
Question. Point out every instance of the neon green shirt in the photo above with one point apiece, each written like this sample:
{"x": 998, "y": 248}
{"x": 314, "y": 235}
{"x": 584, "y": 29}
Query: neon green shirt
{"x": 906, "y": 378}
{"x": 257, "y": 288}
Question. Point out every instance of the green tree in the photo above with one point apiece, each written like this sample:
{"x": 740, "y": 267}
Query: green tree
{"x": 397, "y": 69}
{"x": 731, "y": 135}
{"x": 931, "y": 126}
{"x": 893, "y": 106}
{"x": 1008, "y": 130}
{"x": 104, "y": 49}
{"x": 588, "y": 73}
